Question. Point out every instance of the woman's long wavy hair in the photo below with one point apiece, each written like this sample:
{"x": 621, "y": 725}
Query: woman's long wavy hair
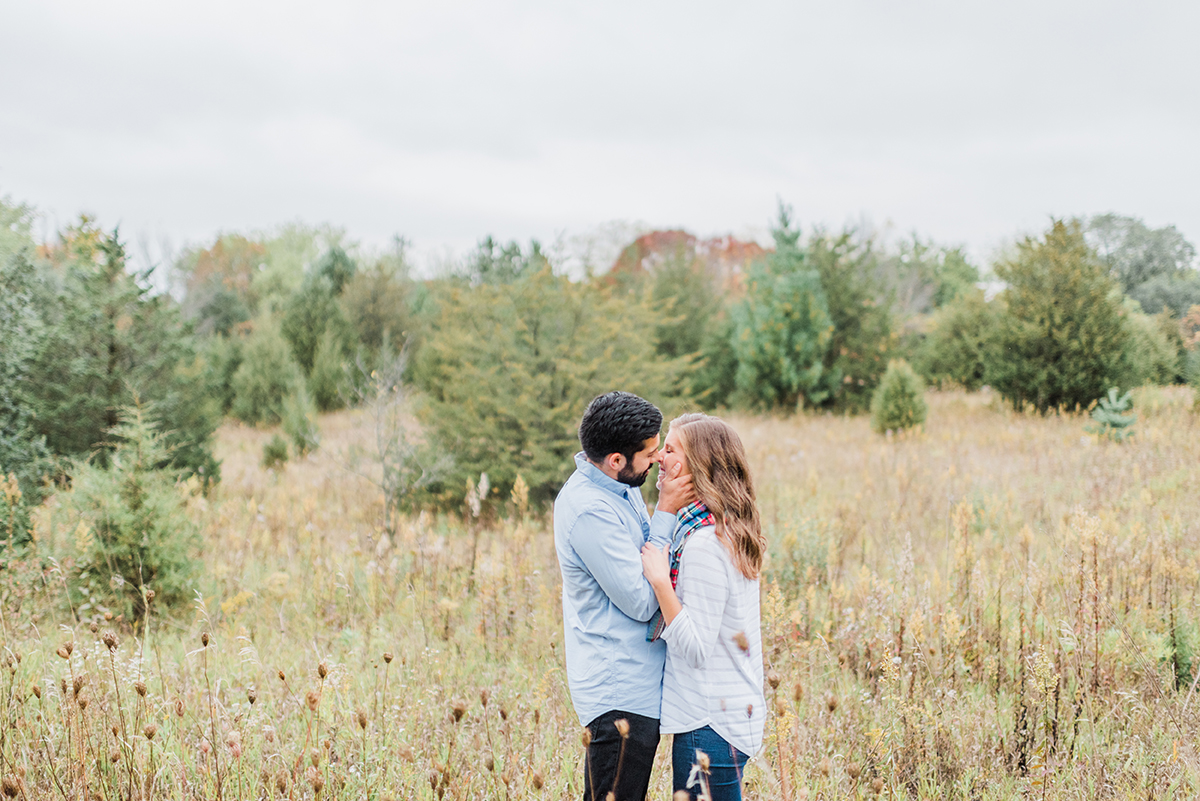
{"x": 717, "y": 461}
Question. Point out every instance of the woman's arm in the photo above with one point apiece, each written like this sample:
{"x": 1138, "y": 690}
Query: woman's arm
{"x": 694, "y": 622}
{"x": 656, "y": 567}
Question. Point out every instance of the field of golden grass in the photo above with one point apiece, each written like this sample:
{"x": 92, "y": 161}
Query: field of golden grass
{"x": 1000, "y": 606}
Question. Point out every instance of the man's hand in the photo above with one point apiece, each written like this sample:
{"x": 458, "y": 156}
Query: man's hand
{"x": 674, "y": 490}
{"x": 656, "y": 567}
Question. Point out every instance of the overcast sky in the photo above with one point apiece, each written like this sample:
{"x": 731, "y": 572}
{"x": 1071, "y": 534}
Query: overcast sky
{"x": 971, "y": 122}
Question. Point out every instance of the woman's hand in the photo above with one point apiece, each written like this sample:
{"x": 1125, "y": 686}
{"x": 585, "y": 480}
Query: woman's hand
{"x": 656, "y": 566}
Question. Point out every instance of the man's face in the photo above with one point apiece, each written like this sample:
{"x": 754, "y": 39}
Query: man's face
{"x": 634, "y": 473}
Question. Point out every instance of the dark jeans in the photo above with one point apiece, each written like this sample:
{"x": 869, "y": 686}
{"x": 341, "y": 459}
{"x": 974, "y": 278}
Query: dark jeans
{"x": 726, "y": 764}
{"x": 604, "y": 759}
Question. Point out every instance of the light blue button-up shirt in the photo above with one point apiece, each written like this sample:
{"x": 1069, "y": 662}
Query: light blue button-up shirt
{"x": 600, "y": 526}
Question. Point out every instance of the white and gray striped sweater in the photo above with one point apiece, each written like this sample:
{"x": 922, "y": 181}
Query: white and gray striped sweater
{"x": 709, "y": 679}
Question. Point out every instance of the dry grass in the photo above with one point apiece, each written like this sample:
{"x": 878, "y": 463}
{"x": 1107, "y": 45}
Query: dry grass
{"x": 999, "y": 607}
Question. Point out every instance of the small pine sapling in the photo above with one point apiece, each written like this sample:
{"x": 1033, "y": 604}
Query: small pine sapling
{"x": 1113, "y": 417}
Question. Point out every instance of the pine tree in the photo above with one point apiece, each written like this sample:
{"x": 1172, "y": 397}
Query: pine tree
{"x": 107, "y": 341}
{"x": 782, "y": 329}
{"x": 135, "y": 533}
{"x": 1062, "y": 336}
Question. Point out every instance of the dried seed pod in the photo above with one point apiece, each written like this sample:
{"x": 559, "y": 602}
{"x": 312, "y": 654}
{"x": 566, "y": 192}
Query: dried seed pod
{"x": 703, "y": 761}
{"x": 252, "y": 695}
{"x": 877, "y": 785}
{"x": 622, "y": 727}
{"x": 537, "y": 780}
{"x": 282, "y": 676}
{"x": 489, "y": 763}
{"x": 149, "y": 731}
{"x": 388, "y": 657}
{"x": 179, "y": 707}
{"x": 108, "y": 615}
{"x": 483, "y": 697}
{"x": 742, "y": 642}
{"x": 361, "y": 716}
{"x": 93, "y": 627}
{"x": 312, "y": 699}
{"x": 458, "y": 710}
{"x": 322, "y": 669}
{"x": 831, "y": 702}
{"x": 83, "y": 704}
{"x": 77, "y": 685}
{"x": 204, "y": 638}
{"x": 139, "y": 687}
{"x": 773, "y": 679}
{"x": 37, "y": 691}
{"x": 586, "y": 737}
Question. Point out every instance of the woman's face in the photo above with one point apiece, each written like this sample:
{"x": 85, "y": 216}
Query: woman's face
{"x": 671, "y": 455}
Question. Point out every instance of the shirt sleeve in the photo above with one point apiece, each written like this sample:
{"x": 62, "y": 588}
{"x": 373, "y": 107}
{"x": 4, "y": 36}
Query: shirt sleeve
{"x": 603, "y": 545}
{"x": 662, "y": 528}
{"x": 703, "y": 591}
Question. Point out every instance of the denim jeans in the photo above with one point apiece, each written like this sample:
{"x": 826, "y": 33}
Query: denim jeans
{"x": 726, "y": 764}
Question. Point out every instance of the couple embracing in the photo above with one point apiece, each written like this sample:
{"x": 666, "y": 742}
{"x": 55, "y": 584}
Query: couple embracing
{"x": 661, "y": 612}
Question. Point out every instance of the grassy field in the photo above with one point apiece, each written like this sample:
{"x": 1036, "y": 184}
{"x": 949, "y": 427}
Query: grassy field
{"x": 998, "y": 607}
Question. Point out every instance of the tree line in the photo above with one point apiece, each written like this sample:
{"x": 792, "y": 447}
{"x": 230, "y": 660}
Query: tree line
{"x": 502, "y": 351}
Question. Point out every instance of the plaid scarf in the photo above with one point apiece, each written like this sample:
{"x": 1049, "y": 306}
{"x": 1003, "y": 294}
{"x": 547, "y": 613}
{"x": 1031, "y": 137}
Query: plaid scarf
{"x": 691, "y": 517}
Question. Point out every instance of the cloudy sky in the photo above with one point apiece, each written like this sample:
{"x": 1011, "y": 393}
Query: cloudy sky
{"x": 971, "y": 122}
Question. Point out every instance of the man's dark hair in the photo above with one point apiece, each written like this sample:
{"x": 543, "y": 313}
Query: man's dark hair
{"x": 618, "y": 422}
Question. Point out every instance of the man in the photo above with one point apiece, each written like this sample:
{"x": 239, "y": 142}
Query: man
{"x": 600, "y": 525}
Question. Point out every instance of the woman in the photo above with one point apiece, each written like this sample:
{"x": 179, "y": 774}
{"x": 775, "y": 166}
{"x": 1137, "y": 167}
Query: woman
{"x": 707, "y": 593}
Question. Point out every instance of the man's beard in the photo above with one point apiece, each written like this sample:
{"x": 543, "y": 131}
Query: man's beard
{"x": 627, "y": 476}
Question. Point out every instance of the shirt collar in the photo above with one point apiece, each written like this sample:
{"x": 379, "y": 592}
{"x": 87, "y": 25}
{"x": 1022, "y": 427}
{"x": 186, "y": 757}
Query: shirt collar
{"x": 596, "y": 476}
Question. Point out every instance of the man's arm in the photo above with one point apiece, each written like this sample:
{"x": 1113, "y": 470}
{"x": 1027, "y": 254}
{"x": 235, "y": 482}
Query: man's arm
{"x": 602, "y": 543}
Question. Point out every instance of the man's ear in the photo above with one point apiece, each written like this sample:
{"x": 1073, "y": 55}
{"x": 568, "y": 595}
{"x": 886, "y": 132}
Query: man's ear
{"x": 615, "y": 462}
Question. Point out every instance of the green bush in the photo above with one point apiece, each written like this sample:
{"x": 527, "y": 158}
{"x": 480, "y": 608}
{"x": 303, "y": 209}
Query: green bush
{"x": 135, "y": 533}
{"x": 961, "y": 342}
{"x": 507, "y": 370}
{"x": 861, "y": 313}
{"x": 899, "y": 401}
{"x": 1063, "y": 336}
{"x": 1151, "y": 357}
{"x": 275, "y": 452}
{"x": 300, "y": 421}
{"x": 308, "y": 315}
{"x": 265, "y": 378}
{"x": 327, "y": 383}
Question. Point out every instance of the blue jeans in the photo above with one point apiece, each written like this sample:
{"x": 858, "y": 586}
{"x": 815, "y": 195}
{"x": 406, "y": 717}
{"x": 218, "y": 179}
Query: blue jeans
{"x": 726, "y": 764}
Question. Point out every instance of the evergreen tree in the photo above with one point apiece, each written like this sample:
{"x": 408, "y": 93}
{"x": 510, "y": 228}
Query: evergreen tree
{"x": 782, "y": 328}
{"x": 1062, "y": 337}
{"x": 267, "y": 376}
{"x": 508, "y": 369}
{"x": 899, "y": 401}
{"x": 108, "y": 342}
{"x": 135, "y": 533}
{"x": 337, "y": 268}
{"x": 961, "y": 342}
{"x": 863, "y": 340}
{"x": 307, "y": 315}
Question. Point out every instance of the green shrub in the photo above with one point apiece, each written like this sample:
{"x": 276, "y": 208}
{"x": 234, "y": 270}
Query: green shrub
{"x": 135, "y": 533}
{"x": 961, "y": 342}
{"x": 860, "y": 310}
{"x": 507, "y": 370}
{"x": 265, "y": 378}
{"x": 1151, "y": 357}
{"x": 327, "y": 383}
{"x": 300, "y": 421}
{"x": 1063, "y": 337}
{"x": 899, "y": 401}
{"x": 275, "y": 452}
